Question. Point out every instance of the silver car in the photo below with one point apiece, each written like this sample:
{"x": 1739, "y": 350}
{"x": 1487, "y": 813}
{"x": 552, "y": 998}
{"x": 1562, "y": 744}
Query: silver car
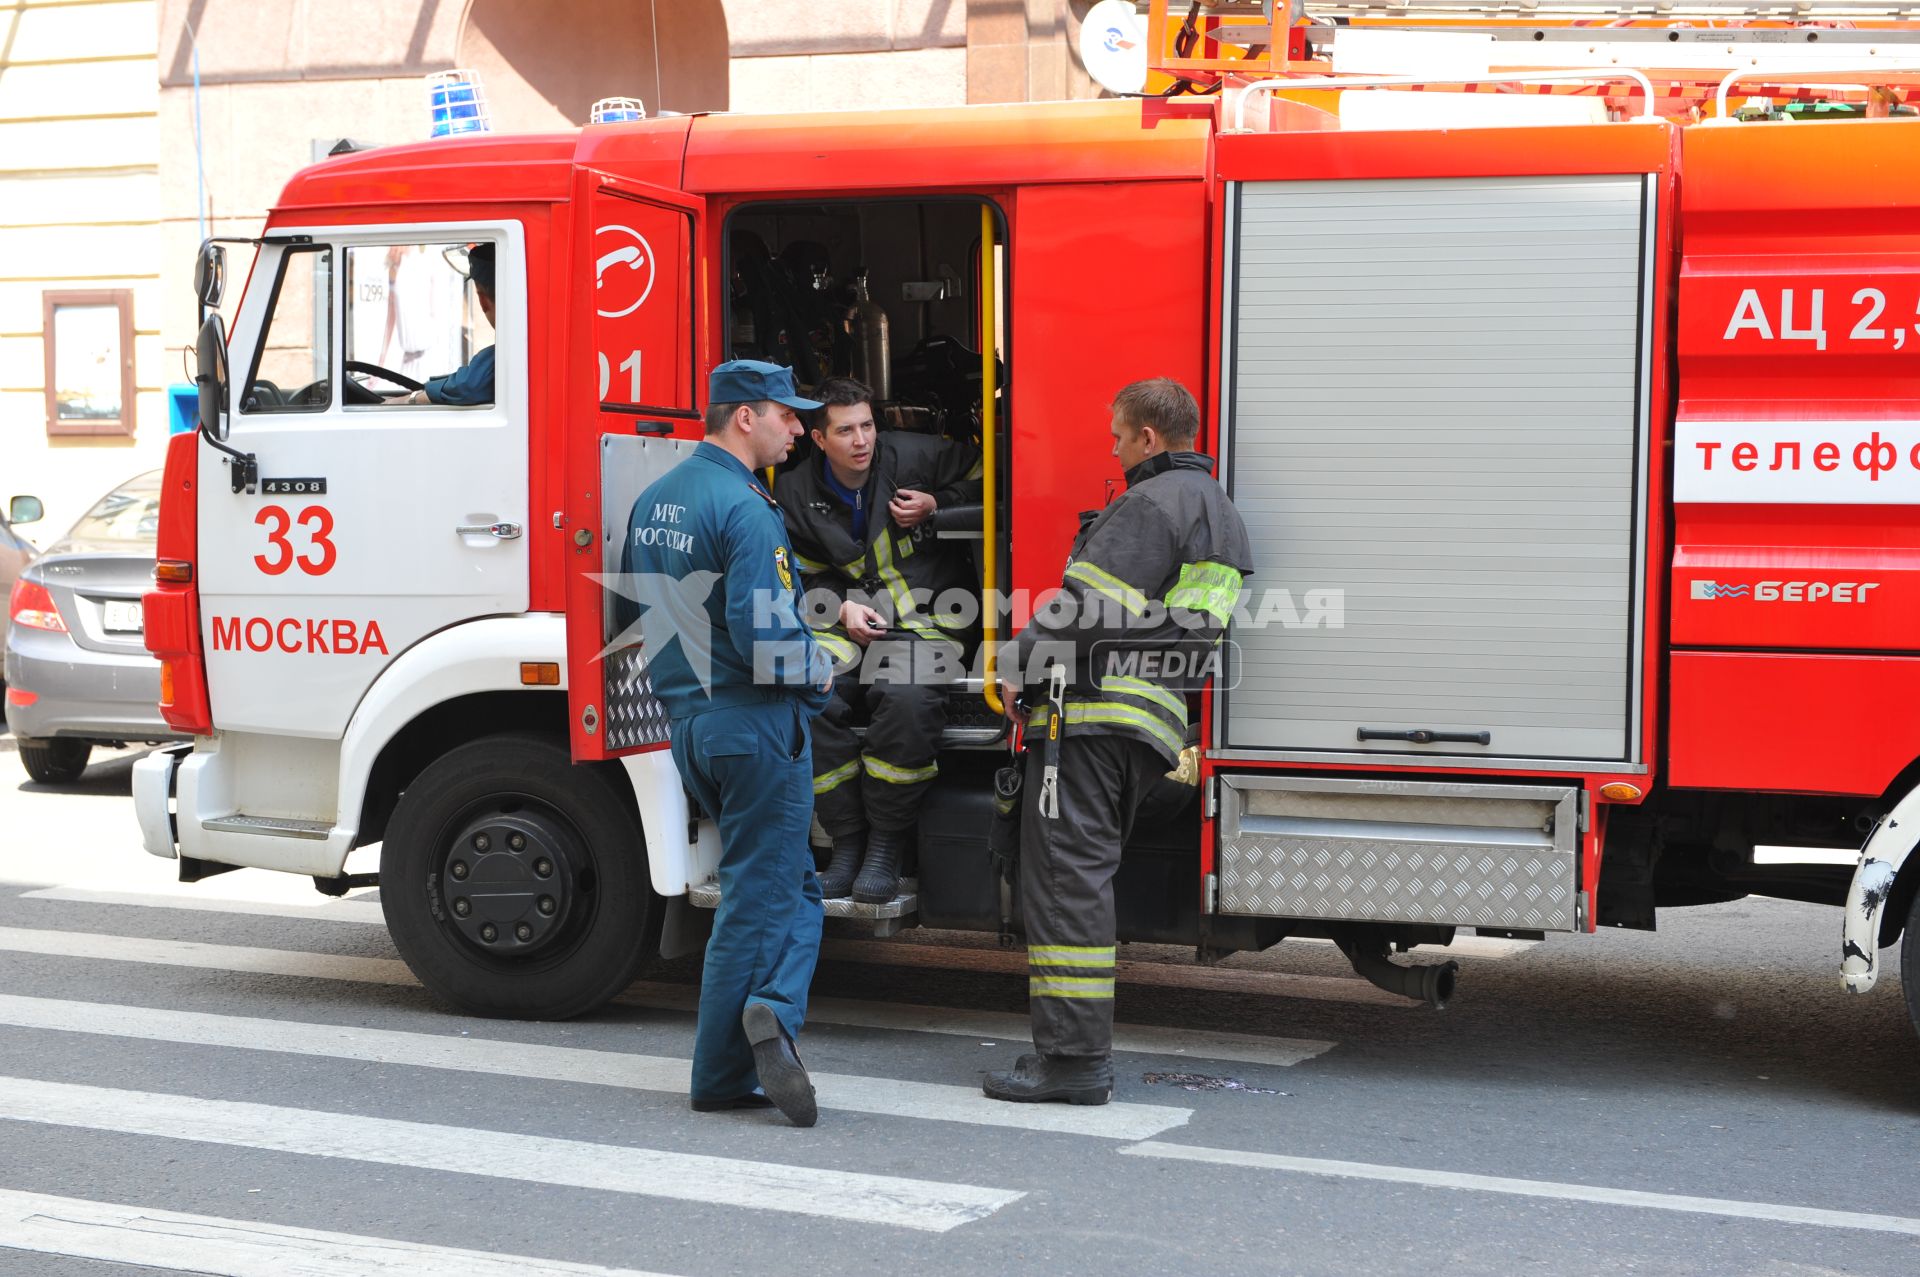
{"x": 77, "y": 665}
{"x": 15, "y": 553}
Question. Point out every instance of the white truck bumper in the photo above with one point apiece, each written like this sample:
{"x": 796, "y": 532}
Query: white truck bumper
{"x": 153, "y": 780}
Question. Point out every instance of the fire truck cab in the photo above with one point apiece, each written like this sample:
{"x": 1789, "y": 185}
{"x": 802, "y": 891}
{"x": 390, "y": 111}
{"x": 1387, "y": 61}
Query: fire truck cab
{"x": 1581, "y": 454}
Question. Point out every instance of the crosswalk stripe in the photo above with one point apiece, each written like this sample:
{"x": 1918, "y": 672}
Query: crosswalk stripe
{"x": 1280, "y": 984}
{"x": 1818, "y": 1217}
{"x": 78, "y": 1229}
{"x": 1146, "y": 1039}
{"x": 1002, "y": 1026}
{"x": 885, "y": 1097}
{"x": 210, "y": 957}
{"x": 855, "y": 1196}
{"x": 362, "y": 911}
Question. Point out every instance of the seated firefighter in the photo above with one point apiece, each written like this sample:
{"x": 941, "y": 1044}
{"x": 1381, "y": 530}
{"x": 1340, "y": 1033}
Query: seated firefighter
{"x": 858, "y": 514}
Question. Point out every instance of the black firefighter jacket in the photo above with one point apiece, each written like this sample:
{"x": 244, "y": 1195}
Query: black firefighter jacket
{"x": 1150, "y": 585}
{"x": 900, "y": 572}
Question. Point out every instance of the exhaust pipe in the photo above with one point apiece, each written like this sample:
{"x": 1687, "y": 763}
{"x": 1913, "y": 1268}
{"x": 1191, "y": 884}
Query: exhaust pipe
{"x": 1431, "y": 983}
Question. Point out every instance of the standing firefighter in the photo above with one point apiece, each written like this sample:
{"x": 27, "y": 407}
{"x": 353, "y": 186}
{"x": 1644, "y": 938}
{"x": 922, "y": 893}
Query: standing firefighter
{"x": 861, "y": 518}
{"x": 740, "y": 676}
{"x": 1149, "y": 586}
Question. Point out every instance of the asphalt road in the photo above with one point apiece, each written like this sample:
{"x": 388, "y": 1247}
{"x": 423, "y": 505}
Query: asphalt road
{"x": 236, "y": 1076}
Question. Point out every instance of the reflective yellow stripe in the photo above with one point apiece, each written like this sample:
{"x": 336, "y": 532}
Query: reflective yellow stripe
{"x": 903, "y": 611}
{"x": 1129, "y": 686}
{"x": 1069, "y": 986}
{"x": 842, "y": 649}
{"x": 1101, "y": 581}
{"x": 827, "y": 782}
{"x": 808, "y": 565}
{"x": 880, "y": 769}
{"x": 1064, "y": 955}
{"x": 1111, "y": 713}
{"x": 1213, "y": 588}
{"x": 979, "y": 470}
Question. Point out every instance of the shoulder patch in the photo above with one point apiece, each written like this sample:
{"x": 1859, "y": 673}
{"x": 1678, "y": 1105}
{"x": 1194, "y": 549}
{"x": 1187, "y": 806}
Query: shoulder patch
{"x": 782, "y": 564}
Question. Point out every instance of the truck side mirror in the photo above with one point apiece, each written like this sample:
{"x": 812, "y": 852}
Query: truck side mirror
{"x": 210, "y": 375}
{"x": 210, "y": 275}
{"x": 25, "y": 510}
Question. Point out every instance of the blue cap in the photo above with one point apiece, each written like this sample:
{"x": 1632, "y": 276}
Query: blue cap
{"x": 751, "y": 380}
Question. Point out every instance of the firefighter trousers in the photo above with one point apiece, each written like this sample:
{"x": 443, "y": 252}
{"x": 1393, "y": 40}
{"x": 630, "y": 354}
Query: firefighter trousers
{"x": 879, "y": 783}
{"x": 1067, "y": 865}
{"x": 746, "y": 765}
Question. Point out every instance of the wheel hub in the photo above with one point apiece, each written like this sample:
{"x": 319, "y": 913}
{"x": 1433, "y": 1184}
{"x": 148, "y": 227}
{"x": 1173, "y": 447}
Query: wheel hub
{"x": 507, "y": 882}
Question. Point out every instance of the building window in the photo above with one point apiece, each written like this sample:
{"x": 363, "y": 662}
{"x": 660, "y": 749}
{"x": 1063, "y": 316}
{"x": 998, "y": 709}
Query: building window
{"x": 89, "y": 361}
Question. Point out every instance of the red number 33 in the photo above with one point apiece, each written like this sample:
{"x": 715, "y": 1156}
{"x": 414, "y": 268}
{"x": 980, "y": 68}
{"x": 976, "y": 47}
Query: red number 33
{"x": 321, "y": 554}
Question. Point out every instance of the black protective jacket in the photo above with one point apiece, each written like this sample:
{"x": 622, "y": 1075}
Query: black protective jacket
{"x": 1150, "y": 585}
{"x": 900, "y": 572}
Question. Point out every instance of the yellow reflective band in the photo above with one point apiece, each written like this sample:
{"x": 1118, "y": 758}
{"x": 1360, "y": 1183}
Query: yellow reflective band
{"x": 808, "y": 565}
{"x": 903, "y": 611}
{"x": 1213, "y": 588}
{"x": 1114, "y": 714}
{"x": 978, "y": 471}
{"x": 827, "y": 782}
{"x": 1101, "y": 581}
{"x": 880, "y": 769}
{"x": 1069, "y": 986}
{"x": 1129, "y": 686}
{"x": 1061, "y": 955}
{"x": 841, "y": 648}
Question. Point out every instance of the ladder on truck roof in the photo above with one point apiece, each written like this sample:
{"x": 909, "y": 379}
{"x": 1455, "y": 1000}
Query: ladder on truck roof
{"x": 1792, "y": 49}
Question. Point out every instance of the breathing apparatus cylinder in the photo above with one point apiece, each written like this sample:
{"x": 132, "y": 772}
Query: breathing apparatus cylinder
{"x": 873, "y": 347}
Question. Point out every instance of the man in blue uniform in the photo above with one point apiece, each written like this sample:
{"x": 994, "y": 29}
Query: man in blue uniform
{"x": 740, "y": 677}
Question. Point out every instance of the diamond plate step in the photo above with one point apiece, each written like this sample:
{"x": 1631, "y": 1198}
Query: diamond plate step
{"x": 270, "y": 826}
{"x": 886, "y": 919}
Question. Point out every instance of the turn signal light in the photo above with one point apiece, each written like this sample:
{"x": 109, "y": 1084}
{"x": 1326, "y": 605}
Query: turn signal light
{"x": 166, "y": 682}
{"x": 1620, "y": 792}
{"x": 33, "y": 607}
{"x": 173, "y": 572}
{"x": 540, "y": 673}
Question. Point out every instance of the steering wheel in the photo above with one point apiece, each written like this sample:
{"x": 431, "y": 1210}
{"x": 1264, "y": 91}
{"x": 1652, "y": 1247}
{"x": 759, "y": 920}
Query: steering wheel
{"x": 387, "y": 374}
{"x": 357, "y": 392}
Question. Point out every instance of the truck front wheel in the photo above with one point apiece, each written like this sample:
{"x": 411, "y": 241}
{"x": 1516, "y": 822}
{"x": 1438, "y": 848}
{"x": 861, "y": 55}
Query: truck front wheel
{"x": 514, "y": 883}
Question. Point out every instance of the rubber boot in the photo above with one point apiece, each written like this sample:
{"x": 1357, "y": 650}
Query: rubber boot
{"x": 879, "y": 880}
{"x": 837, "y": 880}
{"x": 1069, "y": 1079}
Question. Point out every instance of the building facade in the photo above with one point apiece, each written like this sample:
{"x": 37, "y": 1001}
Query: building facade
{"x": 130, "y": 129}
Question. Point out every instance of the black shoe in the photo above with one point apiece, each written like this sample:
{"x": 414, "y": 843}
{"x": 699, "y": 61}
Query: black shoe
{"x": 782, "y": 1076}
{"x": 837, "y": 880}
{"x": 751, "y": 1100}
{"x": 879, "y": 880}
{"x": 1071, "y": 1079}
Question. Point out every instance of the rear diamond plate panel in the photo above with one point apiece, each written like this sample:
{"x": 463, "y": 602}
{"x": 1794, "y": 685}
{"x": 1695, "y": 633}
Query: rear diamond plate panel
{"x": 635, "y": 715}
{"x": 1274, "y": 876}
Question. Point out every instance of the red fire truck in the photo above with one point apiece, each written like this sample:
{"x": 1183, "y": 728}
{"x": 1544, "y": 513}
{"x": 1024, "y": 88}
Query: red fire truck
{"x": 1573, "y": 407}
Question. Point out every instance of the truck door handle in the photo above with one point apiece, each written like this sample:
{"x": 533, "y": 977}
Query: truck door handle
{"x": 504, "y": 531}
{"x": 1425, "y": 736}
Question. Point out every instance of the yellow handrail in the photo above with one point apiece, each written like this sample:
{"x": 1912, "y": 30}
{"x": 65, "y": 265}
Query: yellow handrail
{"x": 989, "y": 486}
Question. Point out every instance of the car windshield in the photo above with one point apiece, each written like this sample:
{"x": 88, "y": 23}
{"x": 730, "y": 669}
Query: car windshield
{"x": 128, "y": 516}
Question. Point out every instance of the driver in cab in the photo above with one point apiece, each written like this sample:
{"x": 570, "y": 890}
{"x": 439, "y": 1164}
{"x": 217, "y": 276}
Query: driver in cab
{"x": 472, "y": 383}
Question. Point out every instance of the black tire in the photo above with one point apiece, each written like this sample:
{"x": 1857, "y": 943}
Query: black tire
{"x": 55, "y": 762}
{"x": 448, "y": 848}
